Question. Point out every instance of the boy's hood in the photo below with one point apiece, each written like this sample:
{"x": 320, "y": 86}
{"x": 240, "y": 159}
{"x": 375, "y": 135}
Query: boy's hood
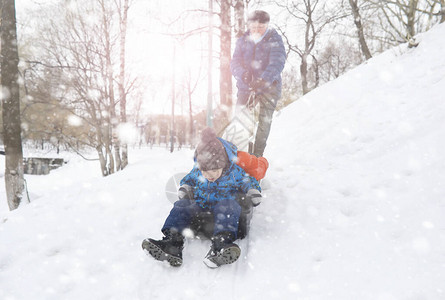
{"x": 231, "y": 150}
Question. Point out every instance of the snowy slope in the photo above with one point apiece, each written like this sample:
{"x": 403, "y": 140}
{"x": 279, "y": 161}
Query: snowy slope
{"x": 354, "y": 210}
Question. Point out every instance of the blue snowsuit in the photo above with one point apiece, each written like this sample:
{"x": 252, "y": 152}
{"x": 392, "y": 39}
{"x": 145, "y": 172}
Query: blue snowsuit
{"x": 218, "y": 197}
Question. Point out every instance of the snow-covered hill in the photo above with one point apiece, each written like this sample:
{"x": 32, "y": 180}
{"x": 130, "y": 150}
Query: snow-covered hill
{"x": 355, "y": 207}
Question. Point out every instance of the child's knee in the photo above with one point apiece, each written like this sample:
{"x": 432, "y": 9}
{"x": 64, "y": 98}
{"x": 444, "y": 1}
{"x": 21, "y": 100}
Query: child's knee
{"x": 183, "y": 203}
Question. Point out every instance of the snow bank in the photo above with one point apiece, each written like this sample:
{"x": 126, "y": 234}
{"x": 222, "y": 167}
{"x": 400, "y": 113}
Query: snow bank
{"x": 354, "y": 208}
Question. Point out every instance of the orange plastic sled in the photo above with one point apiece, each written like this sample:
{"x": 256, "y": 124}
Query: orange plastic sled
{"x": 254, "y": 166}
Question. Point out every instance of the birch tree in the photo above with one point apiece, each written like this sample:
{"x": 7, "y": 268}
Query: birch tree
{"x": 11, "y": 106}
{"x": 122, "y": 8}
{"x": 84, "y": 41}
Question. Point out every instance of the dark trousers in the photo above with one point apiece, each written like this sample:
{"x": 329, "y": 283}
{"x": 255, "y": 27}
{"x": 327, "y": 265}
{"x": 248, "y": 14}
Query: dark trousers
{"x": 226, "y": 215}
{"x": 267, "y": 103}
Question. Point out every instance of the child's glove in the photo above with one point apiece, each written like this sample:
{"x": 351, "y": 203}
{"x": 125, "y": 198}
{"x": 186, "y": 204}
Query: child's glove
{"x": 185, "y": 192}
{"x": 254, "y": 196}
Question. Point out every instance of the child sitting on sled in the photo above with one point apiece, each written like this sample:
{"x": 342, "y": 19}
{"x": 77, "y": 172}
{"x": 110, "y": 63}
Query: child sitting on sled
{"x": 212, "y": 186}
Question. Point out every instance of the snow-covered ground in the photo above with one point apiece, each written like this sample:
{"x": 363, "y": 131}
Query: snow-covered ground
{"x": 354, "y": 210}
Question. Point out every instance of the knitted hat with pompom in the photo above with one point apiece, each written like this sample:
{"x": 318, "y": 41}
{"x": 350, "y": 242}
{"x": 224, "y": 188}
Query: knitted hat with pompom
{"x": 210, "y": 153}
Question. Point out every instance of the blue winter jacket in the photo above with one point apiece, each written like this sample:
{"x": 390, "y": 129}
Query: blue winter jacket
{"x": 232, "y": 181}
{"x": 263, "y": 60}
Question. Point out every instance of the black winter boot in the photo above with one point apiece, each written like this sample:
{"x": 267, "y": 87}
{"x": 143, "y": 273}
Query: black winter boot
{"x": 169, "y": 248}
{"x": 223, "y": 251}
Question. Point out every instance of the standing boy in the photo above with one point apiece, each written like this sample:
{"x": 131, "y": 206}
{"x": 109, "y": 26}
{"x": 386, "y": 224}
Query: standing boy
{"x": 257, "y": 63}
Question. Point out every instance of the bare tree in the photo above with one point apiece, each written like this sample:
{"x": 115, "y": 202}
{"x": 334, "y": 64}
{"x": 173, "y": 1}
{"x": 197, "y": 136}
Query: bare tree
{"x": 399, "y": 18}
{"x": 45, "y": 117}
{"x": 225, "y": 86}
{"x": 108, "y": 92}
{"x": 336, "y": 58}
{"x": 315, "y": 16}
{"x": 358, "y": 23}
{"x": 85, "y": 41}
{"x": 190, "y": 85}
{"x": 433, "y": 9}
{"x": 182, "y": 30}
{"x": 122, "y": 9}
{"x": 291, "y": 91}
{"x": 11, "y": 107}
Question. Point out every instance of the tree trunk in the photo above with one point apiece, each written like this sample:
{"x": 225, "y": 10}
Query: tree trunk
{"x": 304, "y": 72}
{"x": 411, "y": 30}
{"x": 113, "y": 121}
{"x": 110, "y": 159}
{"x": 358, "y": 23}
{"x": 172, "y": 124}
{"x": 240, "y": 23}
{"x": 225, "y": 83}
{"x": 192, "y": 125}
{"x": 11, "y": 107}
{"x": 316, "y": 71}
{"x": 103, "y": 161}
{"x": 442, "y": 11}
{"x": 108, "y": 145}
{"x": 122, "y": 93}
{"x": 209, "y": 120}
